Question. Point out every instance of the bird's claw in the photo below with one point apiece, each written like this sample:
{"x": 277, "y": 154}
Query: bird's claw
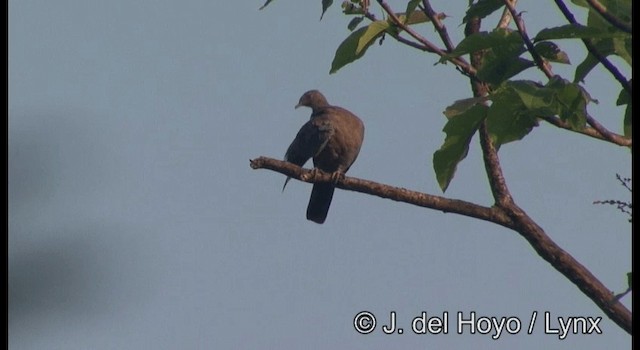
{"x": 337, "y": 176}
{"x": 310, "y": 175}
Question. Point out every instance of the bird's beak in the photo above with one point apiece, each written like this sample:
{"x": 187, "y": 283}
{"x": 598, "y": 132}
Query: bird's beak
{"x": 298, "y": 105}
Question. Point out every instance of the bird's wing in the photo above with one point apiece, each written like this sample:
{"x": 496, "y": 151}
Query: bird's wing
{"x": 310, "y": 140}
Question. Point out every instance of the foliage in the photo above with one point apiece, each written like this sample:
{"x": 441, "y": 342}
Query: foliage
{"x": 515, "y": 106}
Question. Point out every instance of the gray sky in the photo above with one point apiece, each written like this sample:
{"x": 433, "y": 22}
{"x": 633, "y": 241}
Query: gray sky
{"x": 136, "y": 223}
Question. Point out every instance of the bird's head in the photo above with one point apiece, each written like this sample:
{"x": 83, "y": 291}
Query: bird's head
{"x": 312, "y": 99}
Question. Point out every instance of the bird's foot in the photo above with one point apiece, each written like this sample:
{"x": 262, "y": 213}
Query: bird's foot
{"x": 311, "y": 175}
{"x": 337, "y": 176}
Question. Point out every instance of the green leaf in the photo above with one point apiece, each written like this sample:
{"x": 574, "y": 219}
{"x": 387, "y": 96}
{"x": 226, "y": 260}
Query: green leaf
{"x": 325, "y": 5}
{"x": 354, "y": 23}
{"x": 356, "y": 44}
{"x": 559, "y": 97}
{"x": 459, "y": 129}
{"x": 498, "y": 39}
{"x": 623, "y": 98}
{"x": 535, "y": 97}
{"x": 265, "y": 4}
{"x": 623, "y": 48}
{"x": 482, "y": 9}
{"x": 461, "y": 106}
{"x": 585, "y": 67}
{"x": 374, "y": 30}
{"x": 496, "y": 70}
{"x": 502, "y": 48}
{"x": 508, "y": 119}
{"x": 626, "y": 124}
{"x": 570, "y": 101}
{"x": 417, "y": 17}
{"x": 577, "y": 31}
{"x": 411, "y": 6}
{"x": 552, "y": 52}
{"x": 346, "y": 52}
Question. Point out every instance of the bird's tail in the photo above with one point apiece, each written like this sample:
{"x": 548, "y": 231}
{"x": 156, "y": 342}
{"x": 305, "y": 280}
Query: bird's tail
{"x": 319, "y": 203}
{"x": 285, "y": 183}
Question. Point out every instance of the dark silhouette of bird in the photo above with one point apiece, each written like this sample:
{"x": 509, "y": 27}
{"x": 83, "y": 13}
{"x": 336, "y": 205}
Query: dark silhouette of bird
{"x": 332, "y": 137}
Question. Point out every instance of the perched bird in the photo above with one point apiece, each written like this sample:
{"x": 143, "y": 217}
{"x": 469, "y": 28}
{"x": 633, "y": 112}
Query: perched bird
{"x": 332, "y": 137}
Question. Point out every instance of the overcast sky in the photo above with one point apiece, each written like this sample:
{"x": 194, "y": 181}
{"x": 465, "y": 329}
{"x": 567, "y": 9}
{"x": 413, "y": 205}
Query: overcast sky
{"x": 135, "y": 221}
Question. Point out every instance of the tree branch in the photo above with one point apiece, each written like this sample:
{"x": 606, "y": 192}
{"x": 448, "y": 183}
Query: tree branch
{"x": 571, "y": 268}
{"x": 604, "y": 132}
{"x": 398, "y": 194}
{"x": 498, "y": 185}
{"x": 613, "y": 20}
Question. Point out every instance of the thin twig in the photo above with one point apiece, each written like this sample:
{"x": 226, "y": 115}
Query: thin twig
{"x": 438, "y": 25}
{"x": 540, "y": 62}
{"x": 588, "y": 131}
{"x": 619, "y": 296}
{"x": 495, "y": 176}
{"x": 624, "y": 181}
{"x": 432, "y": 48}
{"x": 613, "y": 20}
{"x": 399, "y": 38}
{"x": 606, "y": 134}
{"x": 412, "y": 43}
{"x": 506, "y": 17}
{"x": 497, "y": 182}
